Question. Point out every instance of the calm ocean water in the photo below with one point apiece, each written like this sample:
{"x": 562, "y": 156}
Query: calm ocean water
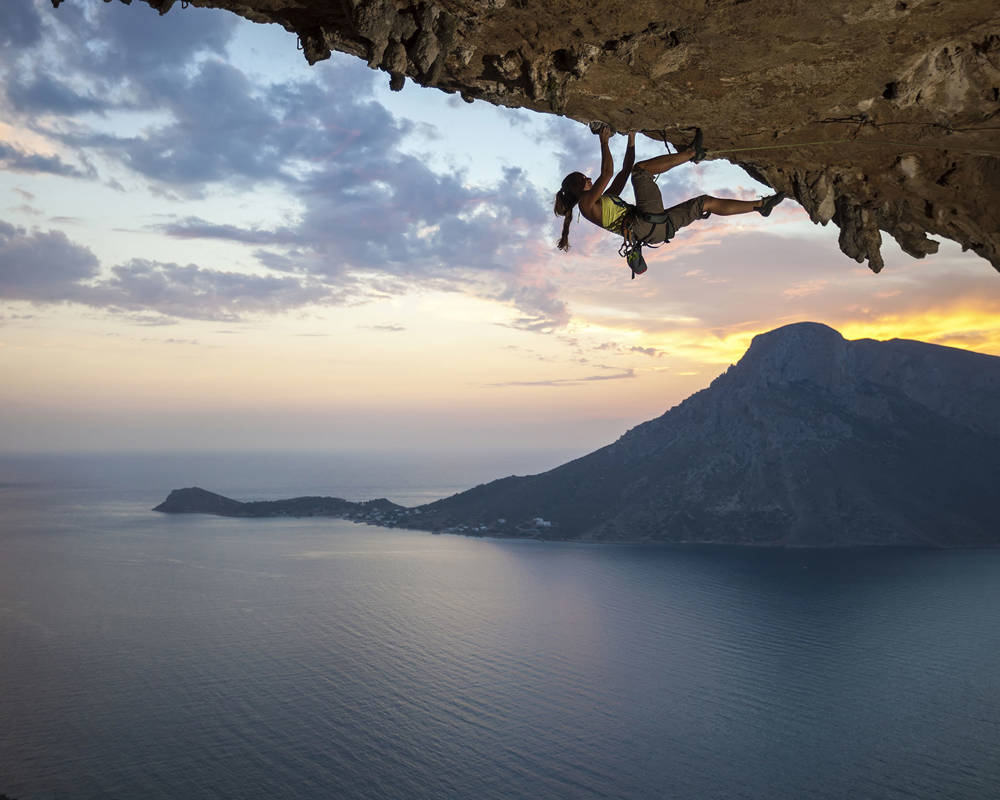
{"x": 149, "y": 656}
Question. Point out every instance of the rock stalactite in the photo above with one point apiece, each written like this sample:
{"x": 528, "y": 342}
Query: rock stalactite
{"x": 876, "y": 115}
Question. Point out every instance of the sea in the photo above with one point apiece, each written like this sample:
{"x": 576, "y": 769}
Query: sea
{"x": 154, "y": 656}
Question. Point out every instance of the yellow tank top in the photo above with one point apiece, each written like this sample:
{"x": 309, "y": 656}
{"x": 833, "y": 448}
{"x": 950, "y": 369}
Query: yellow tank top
{"x": 611, "y": 214}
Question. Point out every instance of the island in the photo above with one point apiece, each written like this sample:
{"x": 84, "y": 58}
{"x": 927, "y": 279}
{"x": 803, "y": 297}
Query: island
{"x": 810, "y": 440}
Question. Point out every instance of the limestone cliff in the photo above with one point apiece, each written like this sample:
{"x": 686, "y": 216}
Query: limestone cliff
{"x": 877, "y": 115}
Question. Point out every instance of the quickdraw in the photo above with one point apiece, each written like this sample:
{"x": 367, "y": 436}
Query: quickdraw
{"x": 631, "y": 248}
{"x": 631, "y": 251}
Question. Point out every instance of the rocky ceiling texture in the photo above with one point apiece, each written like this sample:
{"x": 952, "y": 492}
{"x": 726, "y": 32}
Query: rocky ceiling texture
{"x": 876, "y": 115}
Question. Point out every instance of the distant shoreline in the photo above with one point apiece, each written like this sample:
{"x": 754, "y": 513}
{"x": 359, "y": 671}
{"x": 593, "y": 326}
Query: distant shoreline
{"x": 185, "y": 501}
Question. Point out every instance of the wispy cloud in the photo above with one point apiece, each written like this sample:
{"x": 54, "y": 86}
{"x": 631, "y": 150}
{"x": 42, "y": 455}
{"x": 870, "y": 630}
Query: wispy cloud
{"x": 386, "y": 328}
{"x": 46, "y": 267}
{"x": 14, "y": 159}
{"x": 627, "y": 374}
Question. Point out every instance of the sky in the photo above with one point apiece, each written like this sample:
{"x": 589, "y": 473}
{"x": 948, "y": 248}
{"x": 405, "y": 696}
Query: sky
{"x": 206, "y": 244}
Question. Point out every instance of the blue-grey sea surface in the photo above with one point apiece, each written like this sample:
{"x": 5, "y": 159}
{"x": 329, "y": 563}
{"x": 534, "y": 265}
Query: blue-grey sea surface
{"x": 152, "y": 656}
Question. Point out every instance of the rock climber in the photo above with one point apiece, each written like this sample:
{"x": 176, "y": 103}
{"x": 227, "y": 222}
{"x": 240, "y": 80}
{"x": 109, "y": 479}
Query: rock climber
{"x": 646, "y": 222}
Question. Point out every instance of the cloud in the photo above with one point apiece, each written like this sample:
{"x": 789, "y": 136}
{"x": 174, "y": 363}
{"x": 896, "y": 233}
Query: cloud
{"x": 567, "y": 381}
{"x": 40, "y": 266}
{"x": 4, "y": 317}
{"x": 189, "y": 291}
{"x": 132, "y": 60}
{"x": 542, "y": 310}
{"x": 15, "y": 160}
{"x": 48, "y": 95}
{"x": 132, "y": 56}
{"x": 49, "y": 268}
{"x": 368, "y": 207}
{"x": 197, "y": 228}
{"x": 392, "y": 215}
{"x": 577, "y": 149}
{"x": 20, "y": 24}
{"x": 240, "y": 138}
{"x": 134, "y": 40}
{"x": 171, "y": 340}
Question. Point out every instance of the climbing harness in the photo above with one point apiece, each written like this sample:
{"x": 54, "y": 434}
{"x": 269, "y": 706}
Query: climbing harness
{"x": 631, "y": 248}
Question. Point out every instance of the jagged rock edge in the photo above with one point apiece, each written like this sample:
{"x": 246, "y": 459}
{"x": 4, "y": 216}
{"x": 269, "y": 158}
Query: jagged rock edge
{"x": 418, "y": 40}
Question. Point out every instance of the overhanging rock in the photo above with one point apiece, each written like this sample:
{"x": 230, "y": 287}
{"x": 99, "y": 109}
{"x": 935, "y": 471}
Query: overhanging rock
{"x": 877, "y": 115}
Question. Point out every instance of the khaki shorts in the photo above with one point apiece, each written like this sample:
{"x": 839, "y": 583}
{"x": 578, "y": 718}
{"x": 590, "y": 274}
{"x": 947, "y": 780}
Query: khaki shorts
{"x": 649, "y": 201}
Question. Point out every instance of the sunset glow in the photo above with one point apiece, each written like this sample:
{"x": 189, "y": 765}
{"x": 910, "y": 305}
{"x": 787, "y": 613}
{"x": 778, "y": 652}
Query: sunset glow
{"x": 321, "y": 263}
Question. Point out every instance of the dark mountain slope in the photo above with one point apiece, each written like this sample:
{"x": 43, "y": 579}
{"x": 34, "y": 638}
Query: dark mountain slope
{"x": 809, "y": 440}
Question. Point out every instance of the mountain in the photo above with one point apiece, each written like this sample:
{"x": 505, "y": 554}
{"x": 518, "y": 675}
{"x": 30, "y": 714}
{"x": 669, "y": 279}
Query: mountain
{"x": 810, "y": 440}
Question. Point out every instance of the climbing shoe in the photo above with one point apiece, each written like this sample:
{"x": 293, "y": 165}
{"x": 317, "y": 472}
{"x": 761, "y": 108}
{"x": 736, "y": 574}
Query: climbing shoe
{"x": 768, "y": 203}
{"x": 697, "y": 146}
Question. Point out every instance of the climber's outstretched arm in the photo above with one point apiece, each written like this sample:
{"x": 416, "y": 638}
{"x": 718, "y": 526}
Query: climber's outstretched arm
{"x": 590, "y": 200}
{"x": 618, "y": 184}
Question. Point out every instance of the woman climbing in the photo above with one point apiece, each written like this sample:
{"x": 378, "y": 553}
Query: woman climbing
{"x": 646, "y": 222}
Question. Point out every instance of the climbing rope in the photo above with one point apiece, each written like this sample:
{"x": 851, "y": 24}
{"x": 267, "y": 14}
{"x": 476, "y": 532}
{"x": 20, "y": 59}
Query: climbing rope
{"x": 859, "y": 120}
{"x": 778, "y": 146}
{"x": 988, "y": 153}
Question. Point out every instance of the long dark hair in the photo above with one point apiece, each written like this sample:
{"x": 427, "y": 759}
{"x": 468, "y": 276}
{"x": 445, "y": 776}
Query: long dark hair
{"x": 566, "y": 199}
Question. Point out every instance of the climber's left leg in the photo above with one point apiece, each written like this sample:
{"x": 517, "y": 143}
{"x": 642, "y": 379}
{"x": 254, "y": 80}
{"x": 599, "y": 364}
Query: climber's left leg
{"x": 725, "y": 207}
{"x": 658, "y": 164}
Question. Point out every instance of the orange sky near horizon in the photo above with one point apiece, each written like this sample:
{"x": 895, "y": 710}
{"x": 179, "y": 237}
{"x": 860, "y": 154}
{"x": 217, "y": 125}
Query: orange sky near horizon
{"x": 457, "y": 376}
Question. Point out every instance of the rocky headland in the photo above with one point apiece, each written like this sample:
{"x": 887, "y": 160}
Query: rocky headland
{"x": 195, "y": 500}
{"x": 810, "y": 440}
{"x": 875, "y": 115}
